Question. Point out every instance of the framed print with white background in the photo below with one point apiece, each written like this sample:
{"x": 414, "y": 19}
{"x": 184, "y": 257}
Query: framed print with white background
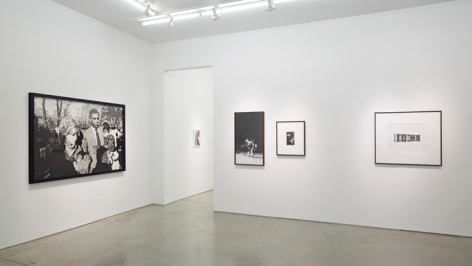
{"x": 408, "y": 138}
{"x": 290, "y": 138}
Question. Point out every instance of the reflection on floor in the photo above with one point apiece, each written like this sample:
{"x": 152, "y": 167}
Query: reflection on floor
{"x": 188, "y": 232}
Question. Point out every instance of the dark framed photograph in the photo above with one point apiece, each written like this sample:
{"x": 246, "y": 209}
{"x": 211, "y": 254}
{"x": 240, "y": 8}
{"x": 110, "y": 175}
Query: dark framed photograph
{"x": 290, "y": 138}
{"x": 249, "y": 138}
{"x": 73, "y": 137}
{"x": 408, "y": 138}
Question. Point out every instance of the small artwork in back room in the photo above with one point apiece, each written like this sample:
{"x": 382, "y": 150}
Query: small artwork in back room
{"x": 249, "y": 138}
{"x": 196, "y": 138}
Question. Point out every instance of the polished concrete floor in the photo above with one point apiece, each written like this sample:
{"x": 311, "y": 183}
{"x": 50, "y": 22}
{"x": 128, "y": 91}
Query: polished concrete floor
{"x": 188, "y": 232}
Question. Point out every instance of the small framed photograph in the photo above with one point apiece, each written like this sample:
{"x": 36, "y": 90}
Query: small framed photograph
{"x": 196, "y": 138}
{"x": 71, "y": 138}
{"x": 290, "y": 138}
{"x": 408, "y": 138}
{"x": 249, "y": 138}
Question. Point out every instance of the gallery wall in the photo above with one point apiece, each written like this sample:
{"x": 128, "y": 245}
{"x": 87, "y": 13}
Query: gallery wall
{"x": 334, "y": 75}
{"x": 46, "y": 48}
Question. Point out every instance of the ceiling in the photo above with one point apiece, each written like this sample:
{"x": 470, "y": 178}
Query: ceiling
{"x": 122, "y": 15}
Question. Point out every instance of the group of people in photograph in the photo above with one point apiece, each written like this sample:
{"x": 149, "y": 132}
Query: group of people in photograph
{"x": 74, "y": 149}
{"x": 94, "y": 149}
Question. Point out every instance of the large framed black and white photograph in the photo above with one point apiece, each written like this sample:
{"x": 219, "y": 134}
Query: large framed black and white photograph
{"x": 71, "y": 137}
{"x": 408, "y": 138}
{"x": 290, "y": 136}
{"x": 249, "y": 138}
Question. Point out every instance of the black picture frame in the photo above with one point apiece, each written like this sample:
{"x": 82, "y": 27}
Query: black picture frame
{"x": 290, "y": 138}
{"x": 63, "y": 144}
{"x": 408, "y": 138}
{"x": 249, "y": 138}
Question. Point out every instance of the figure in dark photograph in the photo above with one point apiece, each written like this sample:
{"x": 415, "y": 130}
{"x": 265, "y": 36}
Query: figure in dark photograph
{"x": 251, "y": 147}
{"x": 110, "y": 157}
{"x": 82, "y": 163}
{"x": 95, "y": 140}
{"x": 74, "y": 151}
{"x": 290, "y": 138}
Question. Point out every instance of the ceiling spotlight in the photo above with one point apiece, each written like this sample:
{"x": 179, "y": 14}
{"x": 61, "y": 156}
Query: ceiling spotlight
{"x": 212, "y": 11}
{"x": 149, "y": 12}
{"x": 215, "y": 14}
{"x": 270, "y": 5}
{"x": 170, "y": 24}
{"x": 145, "y": 6}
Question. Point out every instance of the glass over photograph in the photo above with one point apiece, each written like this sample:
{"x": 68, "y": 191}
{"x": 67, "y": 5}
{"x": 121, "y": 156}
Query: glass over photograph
{"x": 413, "y": 138}
{"x": 249, "y": 138}
{"x": 290, "y": 138}
{"x": 71, "y": 137}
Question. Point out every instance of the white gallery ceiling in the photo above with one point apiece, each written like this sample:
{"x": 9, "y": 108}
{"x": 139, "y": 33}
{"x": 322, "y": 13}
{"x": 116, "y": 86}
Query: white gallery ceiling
{"x": 124, "y": 16}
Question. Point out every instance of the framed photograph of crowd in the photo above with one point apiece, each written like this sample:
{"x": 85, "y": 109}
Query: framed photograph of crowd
{"x": 249, "y": 138}
{"x": 408, "y": 138}
{"x": 290, "y": 138}
{"x": 71, "y": 138}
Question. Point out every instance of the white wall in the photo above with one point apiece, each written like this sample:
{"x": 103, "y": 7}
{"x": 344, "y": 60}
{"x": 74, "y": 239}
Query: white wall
{"x": 188, "y": 105}
{"x": 335, "y": 75}
{"x": 46, "y": 48}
